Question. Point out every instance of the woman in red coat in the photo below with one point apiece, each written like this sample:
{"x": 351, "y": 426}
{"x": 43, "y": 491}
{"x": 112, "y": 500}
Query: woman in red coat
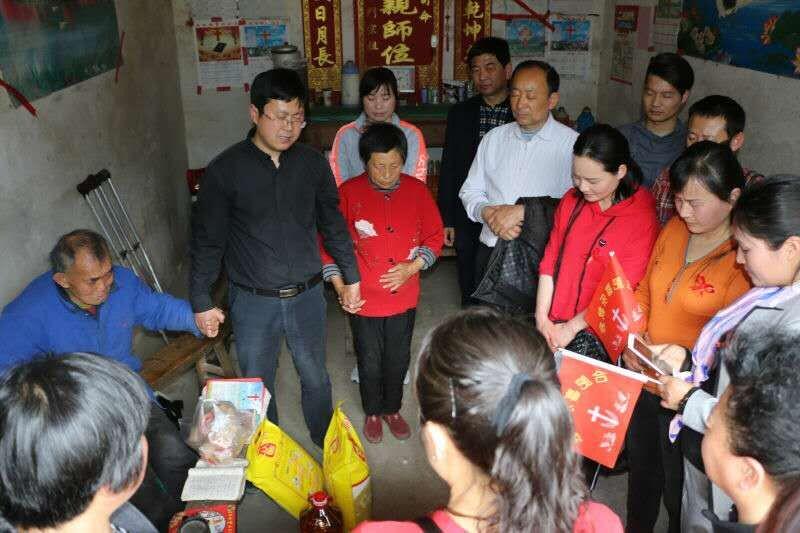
{"x": 397, "y": 231}
{"x": 607, "y": 211}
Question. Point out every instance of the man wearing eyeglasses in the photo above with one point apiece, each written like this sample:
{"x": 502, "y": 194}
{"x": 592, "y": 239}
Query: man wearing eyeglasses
{"x": 261, "y": 205}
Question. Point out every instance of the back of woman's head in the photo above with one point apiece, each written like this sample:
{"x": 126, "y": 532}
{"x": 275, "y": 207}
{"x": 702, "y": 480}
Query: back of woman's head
{"x": 607, "y": 146}
{"x": 770, "y": 209}
{"x": 490, "y": 380}
{"x": 712, "y": 165}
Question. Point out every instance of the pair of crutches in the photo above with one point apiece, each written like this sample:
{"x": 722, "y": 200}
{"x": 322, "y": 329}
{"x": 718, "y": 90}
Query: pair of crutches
{"x": 99, "y": 192}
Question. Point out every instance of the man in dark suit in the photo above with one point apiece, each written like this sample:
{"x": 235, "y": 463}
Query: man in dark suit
{"x": 467, "y": 122}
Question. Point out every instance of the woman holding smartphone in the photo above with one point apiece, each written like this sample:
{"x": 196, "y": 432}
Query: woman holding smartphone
{"x": 691, "y": 275}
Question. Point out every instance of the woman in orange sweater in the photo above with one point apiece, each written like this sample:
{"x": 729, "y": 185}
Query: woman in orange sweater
{"x": 691, "y": 275}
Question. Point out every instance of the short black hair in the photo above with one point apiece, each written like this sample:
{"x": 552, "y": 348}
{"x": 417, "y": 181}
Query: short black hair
{"x": 374, "y": 79}
{"x": 382, "y": 137}
{"x": 769, "y": 209}
{"x": 724, "y": 107}
{"x": 276, "y": 84}
{"x": 762, "y": 415}
{"x": 673, "y": 69}
{"x": 490, "y": 45}
{"x": 62, "y": 256}
{"x": 553, "y": 79}
{"x": 713, "y": 165}
{"x": 69, "y": 426}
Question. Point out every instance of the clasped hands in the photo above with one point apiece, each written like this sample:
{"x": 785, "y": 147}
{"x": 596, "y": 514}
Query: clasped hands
{"x": 558, "y": 335}
{"x": 505, "y": 221}
{"x": 208, "y": 321}
{"x": 349, "y": 295}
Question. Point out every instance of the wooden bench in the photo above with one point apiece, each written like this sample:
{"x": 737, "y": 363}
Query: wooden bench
{"x": 207, "y": 356}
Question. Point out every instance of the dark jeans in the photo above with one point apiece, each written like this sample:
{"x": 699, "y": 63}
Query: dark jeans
{"x": 383, "y": 348}
{"x": 655, "y": 467}
{"x": 168, "y": 464}
{"x": 260, "y": 323}
{"x": 466, "y": 246}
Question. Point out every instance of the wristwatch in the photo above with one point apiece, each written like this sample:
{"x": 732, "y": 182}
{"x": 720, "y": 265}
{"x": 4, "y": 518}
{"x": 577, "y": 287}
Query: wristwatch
{"x": 685, "y": 399}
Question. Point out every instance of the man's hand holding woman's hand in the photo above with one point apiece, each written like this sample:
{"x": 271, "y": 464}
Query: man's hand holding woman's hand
{"x": 208, "y": 321}
{"x": 349, "y": 295}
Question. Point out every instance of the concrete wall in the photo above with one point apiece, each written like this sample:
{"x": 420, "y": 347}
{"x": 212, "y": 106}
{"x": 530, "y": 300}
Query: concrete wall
{"x": 133, "y": 128}
{"x": 772, "y": 134}
{"x": 215, "y": 120}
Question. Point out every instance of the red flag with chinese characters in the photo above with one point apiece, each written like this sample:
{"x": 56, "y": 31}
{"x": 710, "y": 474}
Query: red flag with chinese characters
{"x": 613, "y": 312}
{"x": 601, "y": 398}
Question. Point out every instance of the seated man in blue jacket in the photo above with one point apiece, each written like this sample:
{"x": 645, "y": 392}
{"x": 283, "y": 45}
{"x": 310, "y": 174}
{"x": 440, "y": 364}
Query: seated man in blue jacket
{"x": 86, "y": 304}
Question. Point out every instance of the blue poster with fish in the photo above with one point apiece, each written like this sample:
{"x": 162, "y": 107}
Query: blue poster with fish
{"x": 756, "y": 34}
{"x": 47, "y": 45}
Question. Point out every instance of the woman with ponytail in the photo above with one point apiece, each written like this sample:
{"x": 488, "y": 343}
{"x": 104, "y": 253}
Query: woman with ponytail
{"x": 608, "y": 211}
{"x": 497, "y": 431}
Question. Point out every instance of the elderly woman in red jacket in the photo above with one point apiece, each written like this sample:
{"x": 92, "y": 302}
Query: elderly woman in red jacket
{"x": 397, "y": 231}
{"x": 607, "y": 211}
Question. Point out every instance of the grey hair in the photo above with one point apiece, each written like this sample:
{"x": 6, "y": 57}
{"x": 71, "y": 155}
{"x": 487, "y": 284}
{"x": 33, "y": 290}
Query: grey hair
{"x": 62, "y": 256}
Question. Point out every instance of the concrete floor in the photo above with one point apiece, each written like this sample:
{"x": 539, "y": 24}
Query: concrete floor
{"x": 403, "y": 485}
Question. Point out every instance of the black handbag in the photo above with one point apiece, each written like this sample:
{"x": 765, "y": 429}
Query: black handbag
{"x": 586, "y": 343}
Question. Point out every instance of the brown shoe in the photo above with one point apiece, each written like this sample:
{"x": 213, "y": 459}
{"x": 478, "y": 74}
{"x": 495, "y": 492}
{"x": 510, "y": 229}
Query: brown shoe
{"x": 397, "y": 425}
{"x": 373, "y": 429}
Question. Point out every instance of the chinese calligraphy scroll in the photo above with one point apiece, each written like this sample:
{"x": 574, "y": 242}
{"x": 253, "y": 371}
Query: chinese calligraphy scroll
{"x": 473, "y": 22}
{"x": 322, "y": 34}
{"x": 394, "y": 33}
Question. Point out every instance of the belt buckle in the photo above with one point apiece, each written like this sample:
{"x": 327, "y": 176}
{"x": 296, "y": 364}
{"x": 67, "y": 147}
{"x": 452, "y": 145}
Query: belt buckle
{"x": 288, "y": 293}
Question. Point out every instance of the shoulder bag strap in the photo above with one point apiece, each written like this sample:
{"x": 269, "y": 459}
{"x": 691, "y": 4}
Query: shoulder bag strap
{"x": 427, "y": 524}
{"x": 574, "y": 215}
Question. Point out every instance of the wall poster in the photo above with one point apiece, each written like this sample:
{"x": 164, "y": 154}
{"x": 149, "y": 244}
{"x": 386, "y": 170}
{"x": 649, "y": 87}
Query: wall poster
{"x": 48, "y": 45}
{"x": 761, "y": 35}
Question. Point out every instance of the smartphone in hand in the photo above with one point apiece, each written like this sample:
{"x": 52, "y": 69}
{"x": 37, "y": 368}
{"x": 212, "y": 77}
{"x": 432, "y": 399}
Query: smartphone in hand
{"x": 652, "y": 367}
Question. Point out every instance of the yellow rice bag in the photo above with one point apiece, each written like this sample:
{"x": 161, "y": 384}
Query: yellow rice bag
{"x": 282, "y": 468}
{"x": 346, "y": 470}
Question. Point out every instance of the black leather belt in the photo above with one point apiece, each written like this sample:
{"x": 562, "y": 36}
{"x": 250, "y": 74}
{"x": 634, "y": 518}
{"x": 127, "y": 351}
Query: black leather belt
{"x": 285, "y": 292}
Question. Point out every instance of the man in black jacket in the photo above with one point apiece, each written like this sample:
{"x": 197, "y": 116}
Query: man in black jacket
{"x": 262, "y": 204}
{"x": 467, "y": 122}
